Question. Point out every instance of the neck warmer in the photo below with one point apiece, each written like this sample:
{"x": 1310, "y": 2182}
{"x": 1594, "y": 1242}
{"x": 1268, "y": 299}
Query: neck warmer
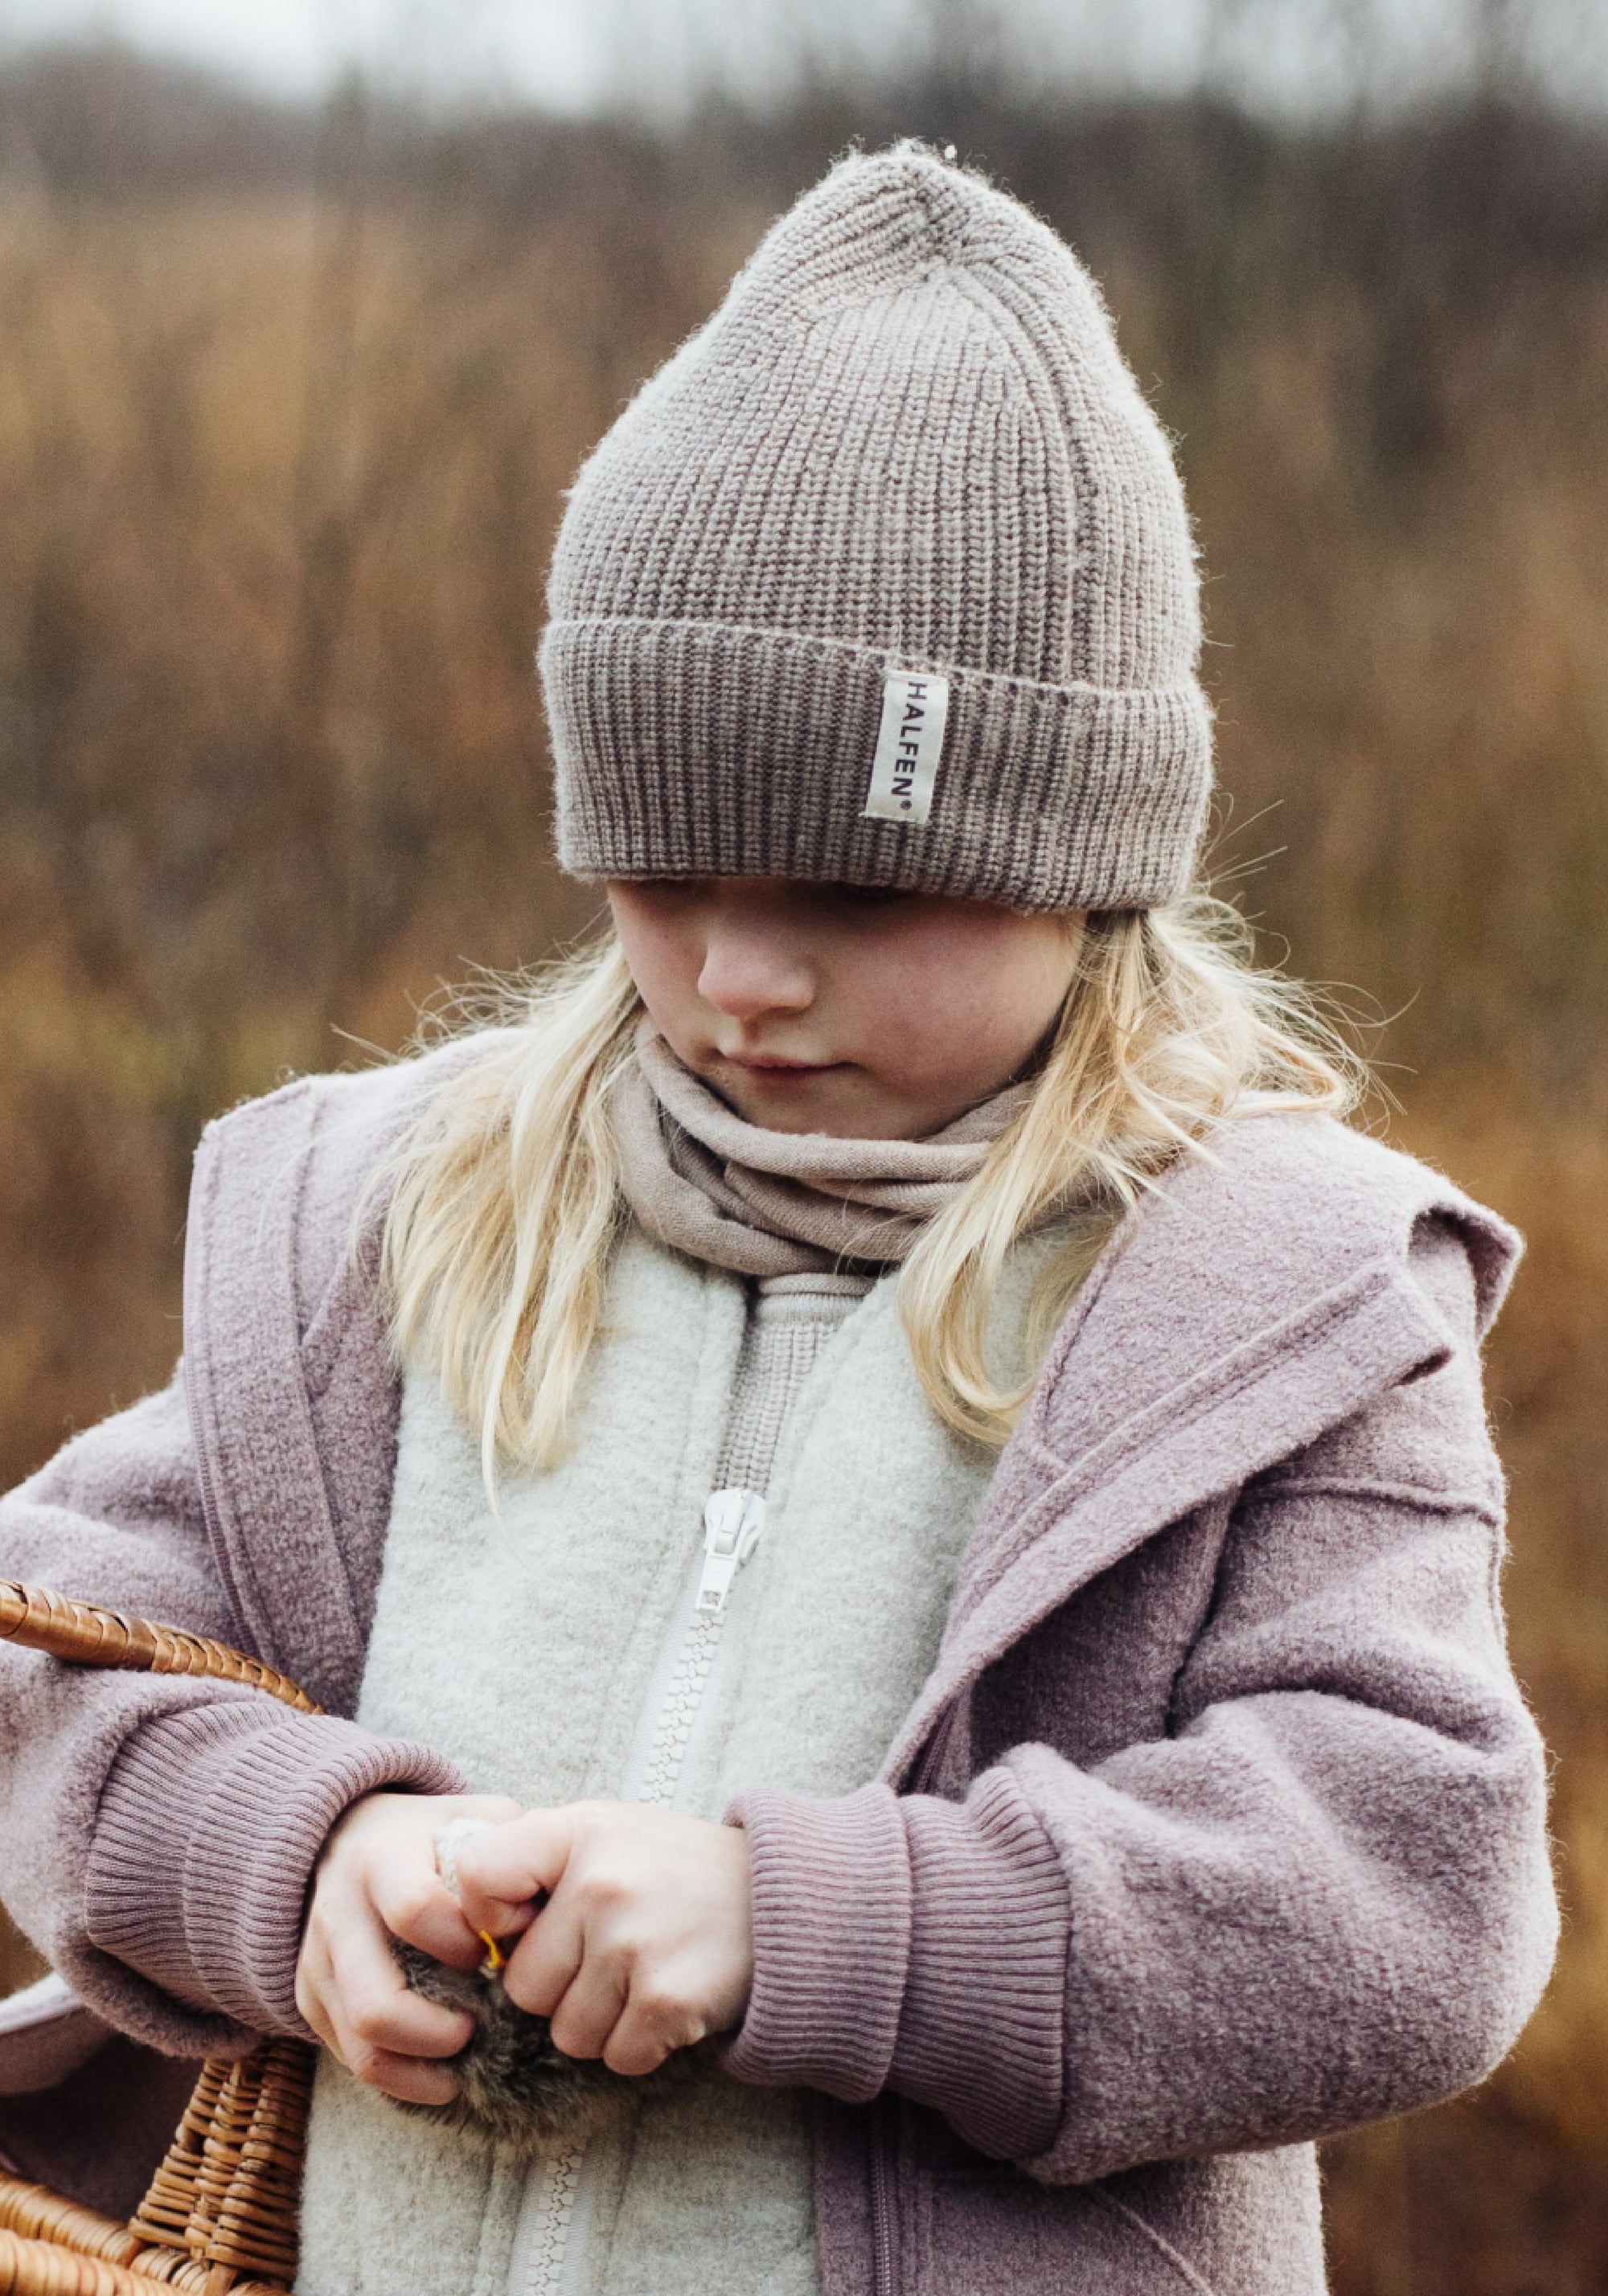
{"x": 781, "y": 1204}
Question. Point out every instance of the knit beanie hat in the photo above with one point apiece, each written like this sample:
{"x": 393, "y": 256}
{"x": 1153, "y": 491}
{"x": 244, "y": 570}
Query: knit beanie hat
{"x": 886, "y": 578}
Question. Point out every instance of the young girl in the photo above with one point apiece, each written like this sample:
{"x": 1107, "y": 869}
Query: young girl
{"x": 873, "y": 1484}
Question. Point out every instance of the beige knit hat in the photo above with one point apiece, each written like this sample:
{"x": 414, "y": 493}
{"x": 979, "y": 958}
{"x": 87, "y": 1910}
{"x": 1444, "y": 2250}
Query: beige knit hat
{"x": 886, "y": 577}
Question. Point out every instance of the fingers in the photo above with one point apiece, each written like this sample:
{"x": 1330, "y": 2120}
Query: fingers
{"x": 547, "y": 1960}
{"x": 577, "y": 1967}
{"x": 355, "y": 1998}
{"x": 501, "y": 1873}
{"x": 391, "y": 1854}
{"x": 416, "y": 1904}
{"x": 585, "y": 2019}
{"x": 411, "y": 2080}
{"x": 375, "y": 2008}
{"x": 496, "y": 1810}
{"x": 643, "y": 1945}
{"x": 359, "y": 2029}
{"x": 656, "y": 2022}
{"x": 376, "y": 1879}
{"x": 636, "y": 1931}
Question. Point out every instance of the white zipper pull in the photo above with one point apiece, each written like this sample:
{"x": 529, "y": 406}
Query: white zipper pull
{"x": 733, "y": 1521}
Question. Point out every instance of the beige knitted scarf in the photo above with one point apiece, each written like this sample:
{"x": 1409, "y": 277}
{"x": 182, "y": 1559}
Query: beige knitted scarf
{"x": 781, "y": 1204}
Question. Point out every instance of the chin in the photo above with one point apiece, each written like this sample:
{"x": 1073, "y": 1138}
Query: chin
{"x": 840, "y": 1118}
{"x": 793, "y": 1107}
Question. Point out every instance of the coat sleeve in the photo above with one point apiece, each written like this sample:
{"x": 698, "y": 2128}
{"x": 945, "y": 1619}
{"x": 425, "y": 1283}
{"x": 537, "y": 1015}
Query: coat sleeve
{"x": 1321, "y": 1897}
{"x": 159, "y": 1834}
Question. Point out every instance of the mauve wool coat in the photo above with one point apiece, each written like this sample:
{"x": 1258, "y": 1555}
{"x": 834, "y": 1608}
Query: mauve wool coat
{"x": 1219, "y": 1825}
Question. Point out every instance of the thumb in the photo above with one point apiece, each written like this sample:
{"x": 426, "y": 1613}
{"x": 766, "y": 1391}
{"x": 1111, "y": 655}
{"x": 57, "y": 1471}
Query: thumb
{"x": 502, "y": 1872}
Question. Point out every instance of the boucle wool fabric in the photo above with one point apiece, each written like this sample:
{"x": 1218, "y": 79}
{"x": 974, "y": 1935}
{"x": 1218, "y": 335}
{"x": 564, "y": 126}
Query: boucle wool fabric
{"x": 906, "y": 441}
{"x": 538, "y": 1656}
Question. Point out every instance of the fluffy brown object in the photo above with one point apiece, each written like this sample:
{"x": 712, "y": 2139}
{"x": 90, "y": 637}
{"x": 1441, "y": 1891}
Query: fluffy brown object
{"x": 513, "y": 2083}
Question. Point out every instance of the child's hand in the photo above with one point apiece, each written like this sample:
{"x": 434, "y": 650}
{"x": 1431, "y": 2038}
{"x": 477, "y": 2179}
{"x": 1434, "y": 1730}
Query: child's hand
{"x": 645, "y": 1943}
{"x": 377, "y": 1872}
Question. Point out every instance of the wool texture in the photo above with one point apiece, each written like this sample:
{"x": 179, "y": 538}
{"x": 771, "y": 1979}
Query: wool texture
{"x": 764, "y": 1203}
{"x": 536, "y": 1658}
{"x": 905, "y": 441}
{"x": 1218, "y": 1823}
{"x": 792, "y": 1320}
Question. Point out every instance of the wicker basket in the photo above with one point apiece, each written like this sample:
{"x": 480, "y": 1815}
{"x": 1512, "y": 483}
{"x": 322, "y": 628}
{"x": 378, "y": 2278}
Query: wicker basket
{"x": 221, "y": 2213}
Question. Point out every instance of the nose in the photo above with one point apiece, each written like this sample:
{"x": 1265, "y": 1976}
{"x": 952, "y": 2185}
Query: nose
{"x": 749, "y": 971}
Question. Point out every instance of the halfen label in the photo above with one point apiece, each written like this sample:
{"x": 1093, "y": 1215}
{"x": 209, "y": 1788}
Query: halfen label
{"x": 909, "y": 745}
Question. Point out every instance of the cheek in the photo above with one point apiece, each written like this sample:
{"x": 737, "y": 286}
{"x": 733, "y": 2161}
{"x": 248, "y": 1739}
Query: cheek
{"x": 665, "y": 960}
{"x": 970, "y": 1010}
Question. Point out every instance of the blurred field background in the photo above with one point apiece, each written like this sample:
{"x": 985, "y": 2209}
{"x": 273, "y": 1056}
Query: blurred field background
{"x": 288, "y": 397}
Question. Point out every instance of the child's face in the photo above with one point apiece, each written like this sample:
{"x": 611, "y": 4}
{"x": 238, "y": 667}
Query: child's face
{"x": 826, "y": 1008}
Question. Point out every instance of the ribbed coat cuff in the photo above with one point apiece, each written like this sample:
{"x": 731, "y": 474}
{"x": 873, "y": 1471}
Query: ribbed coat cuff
{"x": 912, "y": 1944}
{"x": 210, "y": 1827}
{"x": 831, "y": 1891}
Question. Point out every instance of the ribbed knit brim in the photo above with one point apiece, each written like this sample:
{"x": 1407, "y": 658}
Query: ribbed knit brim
{"x": 906, "y": 442}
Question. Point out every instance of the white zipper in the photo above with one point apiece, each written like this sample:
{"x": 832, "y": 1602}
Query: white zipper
{"x": 560, "y": 2173}
{"x": 734, "y": 1521}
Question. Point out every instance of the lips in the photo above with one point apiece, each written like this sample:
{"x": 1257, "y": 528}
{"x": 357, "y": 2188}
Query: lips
{"x": 777, "y": 1064}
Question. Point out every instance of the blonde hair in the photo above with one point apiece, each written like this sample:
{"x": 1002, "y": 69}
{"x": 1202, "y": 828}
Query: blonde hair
{"x": 504, "y": 1204}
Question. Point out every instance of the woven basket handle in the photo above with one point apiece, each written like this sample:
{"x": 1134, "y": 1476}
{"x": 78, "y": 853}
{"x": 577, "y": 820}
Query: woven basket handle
{"x": 221, "y": 2213}
{"x": 85, "y": 1634}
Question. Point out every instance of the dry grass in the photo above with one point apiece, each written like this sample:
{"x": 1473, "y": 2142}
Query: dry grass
{"x": 279, "y": 471}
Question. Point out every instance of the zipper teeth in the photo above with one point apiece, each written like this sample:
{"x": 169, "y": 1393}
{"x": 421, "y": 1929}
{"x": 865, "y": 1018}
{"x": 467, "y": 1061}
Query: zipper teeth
{"x": 882, "y": 2260}
{"x": 674, "y": 1728}
{"x": 679, "y": 1711}
{"x": 558, "y": 2205}
{"x": 671, "y": 1734}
